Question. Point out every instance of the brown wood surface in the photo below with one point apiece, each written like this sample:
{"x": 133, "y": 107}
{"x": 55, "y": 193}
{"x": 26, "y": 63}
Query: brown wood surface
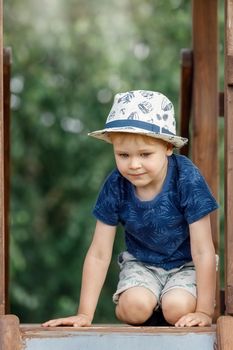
{"x": 9, "y": 333}
{"x": 2, "y": 239}
{"x": 35, "y": 330}
{"x": 229, "y": 156}
{"x": 6, "y": 140}
{"x": 225, "y": 333}
{"x": 186, "y": 96}
{"x": 221, "y": 103}
{"x": 205, "y": 103}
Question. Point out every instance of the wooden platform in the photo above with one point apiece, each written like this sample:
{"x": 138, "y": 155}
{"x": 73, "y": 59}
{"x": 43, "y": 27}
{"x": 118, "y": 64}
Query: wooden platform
{"x": 114, "y": 337}
{"x": 16, "y": 336}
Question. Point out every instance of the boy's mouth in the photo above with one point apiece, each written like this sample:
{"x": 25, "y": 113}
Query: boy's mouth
{"x": 136, "y": 175}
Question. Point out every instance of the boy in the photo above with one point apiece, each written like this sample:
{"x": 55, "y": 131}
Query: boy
{"x": 164, "y": 203}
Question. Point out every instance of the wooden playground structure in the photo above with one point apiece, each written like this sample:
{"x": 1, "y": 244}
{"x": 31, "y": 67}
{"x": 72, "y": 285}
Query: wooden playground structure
{"x": 201, "y": 104}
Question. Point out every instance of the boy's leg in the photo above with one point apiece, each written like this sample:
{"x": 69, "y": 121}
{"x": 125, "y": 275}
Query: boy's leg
{"x": 179, "y": 294}
{"x": 138, "y": 291}
{"x": 136, "y": 305}
{"x": 177, "y": 303}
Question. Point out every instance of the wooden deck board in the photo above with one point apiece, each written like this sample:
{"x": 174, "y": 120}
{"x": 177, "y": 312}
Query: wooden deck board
{"x": 37, "y": 330}
{"x": 117, "y": 337}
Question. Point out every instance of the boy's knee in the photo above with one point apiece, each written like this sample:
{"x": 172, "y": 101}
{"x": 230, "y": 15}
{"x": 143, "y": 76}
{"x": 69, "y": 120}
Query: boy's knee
{"x": 135, "y": 308}
{"x": 176, "y": 304}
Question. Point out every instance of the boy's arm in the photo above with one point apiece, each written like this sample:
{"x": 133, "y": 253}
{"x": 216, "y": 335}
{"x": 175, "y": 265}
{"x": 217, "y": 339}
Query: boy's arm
{"x": 94, "y": 272}
{"x": 204, "y": 259}
{"x": 95, "y": 268}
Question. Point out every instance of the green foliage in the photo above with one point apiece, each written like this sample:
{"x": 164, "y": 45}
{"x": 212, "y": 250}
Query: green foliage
{"x": 69, "y": 59}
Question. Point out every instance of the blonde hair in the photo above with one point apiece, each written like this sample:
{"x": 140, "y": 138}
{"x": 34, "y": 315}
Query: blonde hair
{"x": 147, "y": 139}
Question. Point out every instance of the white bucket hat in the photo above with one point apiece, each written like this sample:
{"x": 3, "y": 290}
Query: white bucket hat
{"x": 142, "y": 112}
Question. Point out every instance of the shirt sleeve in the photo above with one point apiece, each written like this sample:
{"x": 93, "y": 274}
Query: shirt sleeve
{"x": 107, "y": 204}
{"x": 197, "y": 200}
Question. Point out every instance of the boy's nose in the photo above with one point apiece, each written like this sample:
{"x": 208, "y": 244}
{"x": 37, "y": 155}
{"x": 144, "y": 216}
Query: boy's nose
{"x": 135, "y": 163}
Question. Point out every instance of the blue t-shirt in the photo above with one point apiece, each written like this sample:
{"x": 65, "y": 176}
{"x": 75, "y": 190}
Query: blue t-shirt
{"x": 157, "y": 231}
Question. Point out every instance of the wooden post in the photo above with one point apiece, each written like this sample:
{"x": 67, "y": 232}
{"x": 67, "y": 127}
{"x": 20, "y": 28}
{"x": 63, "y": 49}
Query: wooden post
{"x": 205, "y": 102}
{"x": 2, "y": 223}
{"x": 9, "y": 333}
{"x": 229, "y": 155}
{"x": 224, "y": 333}
{"x": 186, "y": 96}
{"x": 6, "y": 162}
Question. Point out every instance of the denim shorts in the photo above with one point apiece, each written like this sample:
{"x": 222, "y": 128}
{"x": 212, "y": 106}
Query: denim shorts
{"x": 159, "y": 281}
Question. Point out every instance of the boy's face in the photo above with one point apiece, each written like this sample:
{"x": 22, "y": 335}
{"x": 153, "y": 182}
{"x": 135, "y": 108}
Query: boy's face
{"x": 141, "y": 160}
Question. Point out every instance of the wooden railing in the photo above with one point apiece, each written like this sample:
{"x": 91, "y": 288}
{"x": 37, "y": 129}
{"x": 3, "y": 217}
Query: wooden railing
{"x": 229, "y": 156}
{"x": 2, "y": 193}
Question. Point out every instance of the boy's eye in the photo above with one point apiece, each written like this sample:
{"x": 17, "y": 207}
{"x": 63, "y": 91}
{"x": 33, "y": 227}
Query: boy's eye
{"x": 145, "y": 154}
{"x": 123, "y": 155}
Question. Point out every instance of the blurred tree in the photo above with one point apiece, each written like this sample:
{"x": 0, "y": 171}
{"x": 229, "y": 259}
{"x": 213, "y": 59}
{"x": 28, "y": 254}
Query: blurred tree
{"x": 69, "y": 59}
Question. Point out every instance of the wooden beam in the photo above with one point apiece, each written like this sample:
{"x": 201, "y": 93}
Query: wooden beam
{"x": 224, "y": 333}
{"x": 205, "y": 102}
{"x": 186, "y": 96}
{"x": 9, "y": 333}
{"x": 2, "y": 238}
{"x": 6, "y": 162}
{"x": 221, "y": 104}
{"x": 228, "y": 223}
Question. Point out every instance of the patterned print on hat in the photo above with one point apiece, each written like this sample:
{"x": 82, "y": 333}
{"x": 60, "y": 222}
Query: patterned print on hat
{"x": 144, "y": 112}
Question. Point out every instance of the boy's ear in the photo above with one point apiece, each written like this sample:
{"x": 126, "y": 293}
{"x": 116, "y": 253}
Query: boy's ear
{"x": 169, "y": 149}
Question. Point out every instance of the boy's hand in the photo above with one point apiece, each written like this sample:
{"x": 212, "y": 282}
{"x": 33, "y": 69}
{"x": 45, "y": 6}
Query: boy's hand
{"x": 194, "y": 319}
{"x": 80, "y": 320}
